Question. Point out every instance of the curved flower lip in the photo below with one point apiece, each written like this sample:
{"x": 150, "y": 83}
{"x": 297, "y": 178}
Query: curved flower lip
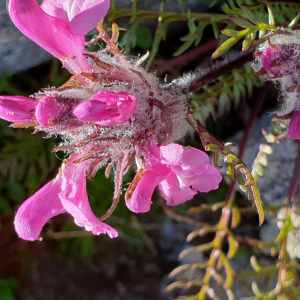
{"x": 107, "y": 108}
{"x": 175, "y": 169}
{"x": 82, "y": 15}
{"x": 17, "y": 109}
{"x": 51, "y": 33}
{"x": 66, "y": 193}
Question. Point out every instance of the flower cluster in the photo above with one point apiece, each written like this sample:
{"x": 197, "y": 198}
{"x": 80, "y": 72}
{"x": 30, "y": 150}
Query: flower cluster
{"x": 111, "y": 112}
{"x": 278, "y": 60}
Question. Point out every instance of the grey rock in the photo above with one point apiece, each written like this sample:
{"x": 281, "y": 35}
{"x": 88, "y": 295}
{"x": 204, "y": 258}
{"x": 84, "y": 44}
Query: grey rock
{"x": 274, "y": 185}
{"x": 17, "y": 52}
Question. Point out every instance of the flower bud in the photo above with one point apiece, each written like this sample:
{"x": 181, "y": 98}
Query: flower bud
{"x": 49, "y": 110}
{"x": 107, "y": 108}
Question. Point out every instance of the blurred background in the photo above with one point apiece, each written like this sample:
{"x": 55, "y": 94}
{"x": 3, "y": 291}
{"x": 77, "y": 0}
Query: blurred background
{"x": 73, "y": 264}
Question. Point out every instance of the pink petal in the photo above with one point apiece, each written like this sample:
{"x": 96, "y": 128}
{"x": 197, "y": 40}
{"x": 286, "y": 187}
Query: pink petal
{"x": 124, "y": 103}
{"x": 268, "y": 56}
{"x": 17, "y": 108}
{"x": 37, "y": 210}
{"x": 83, "y": 15}
{"x": 51, "y": 33}
{"x": 56, "y": 8}
{"x": 294, "y": 127}
{"x": 107, "y": 108}
{"x": 141, "y": 197}
{"x": 208, "y": 180}
{"x": 185, "y": 161}
{"x": 173, "y": 192}
{"x": 90, "y": 111}
{"x": 49, "y": 109}
{"x": 75, "y": 200}
{"x": 171, "y": 154}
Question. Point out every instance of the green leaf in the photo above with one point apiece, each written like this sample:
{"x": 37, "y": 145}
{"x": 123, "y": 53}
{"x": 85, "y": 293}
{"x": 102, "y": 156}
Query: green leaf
{"x": 233, "y": 247}
{"x": 215, "y": 28}
{"x": 15, "y": 191}
{"x": 241, "y": 182}
{"x": 287, "y": 227}
{"x": 230, "y": 32}
{"x": 144, "y": 37}
{"x": 225, "y": 46}
{"x": 250, "y": 15}
{"x": 185, "y": 46}
{"x": 265, "y": 148}
{"x": 224, "y": 101}
{"x": 230, "y": 171}
{"x": 236, "y": 94}
{"x": 259, "y": 169}
{"x": 258, "y": 203}
{"x": 129, "y": 39}
{"x": 6, "y": 294}
{"x": 212, "y": 147}
{"x": 159, "y": 35}
{"x": 87, "y": 245}
{"x": 199, "y": 32}
{"x": 241, "y": 22}
{"x": 4, "y": 206}
{"x": 11, "y": 283}
{"x": 232, "y": 5}
{"x": 216, "y": 158}
{"x": 294, "y": 21}
{"x": 236, "y": 218}
{"x": 271, "y": 14}
{"x": 250, "y": 37}
{"x": 232, "y": 159}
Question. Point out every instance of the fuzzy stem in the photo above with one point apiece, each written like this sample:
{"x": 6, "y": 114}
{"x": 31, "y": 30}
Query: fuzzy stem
{"x": 222, "y": 69}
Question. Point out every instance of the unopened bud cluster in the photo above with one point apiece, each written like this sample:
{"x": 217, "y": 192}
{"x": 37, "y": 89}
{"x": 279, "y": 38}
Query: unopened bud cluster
{"x": 278, "y": 60}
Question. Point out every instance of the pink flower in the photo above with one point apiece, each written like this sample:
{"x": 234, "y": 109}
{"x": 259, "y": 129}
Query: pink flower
{"x": 280, "y": 60}
{"x": 281, "y": 64}
{"x": 82, "y": 15}
{"x": 49, "y": 110}
{"x": 175, "y": 169}
{"x": 294, "y": 128}
{"x": 66, "y": 193}
{"x": 17, "y": 109}
{"x": 107, "y": 108}
{"x": 59, "y": 26}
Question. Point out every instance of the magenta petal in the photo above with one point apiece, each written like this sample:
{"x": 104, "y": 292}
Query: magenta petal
{"x": 267, "y": 57}
{"x": 56, "y": 8}
{"x": 171, "y": 154}
{"x": 49, "y": 109}
{"x": 17, "y": 108}
{"x": 37, "y": 210}
{"x": 294, "y": 127}
{"x": 208, "y": 180}
{"x": 84, "y": 217}
{"x": 141, "y": 197}
{"x": 51, "y": 33}
{"x": 90, "y": 111}
{"x": 75, "y": 200}
{"x": 83, "y": 15}
{"x": 107, "y": 108}
{"x": 173, "y": 192}
{"x": 122, "y": 103}
{"x": 185, "y": 162}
